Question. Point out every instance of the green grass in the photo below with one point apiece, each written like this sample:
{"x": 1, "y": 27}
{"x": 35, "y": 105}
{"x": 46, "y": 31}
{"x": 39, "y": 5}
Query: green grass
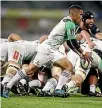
{"x": 74, "y": 101}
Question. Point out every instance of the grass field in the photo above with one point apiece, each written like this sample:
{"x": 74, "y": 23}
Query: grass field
{"x": 74, "y": 101}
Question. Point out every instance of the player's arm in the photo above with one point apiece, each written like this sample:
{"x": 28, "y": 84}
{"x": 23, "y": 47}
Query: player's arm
{"x": 72, "y": 42}
{"x": 71, "y": 39}
{"x": 66, "y": 47}
{"x": 78, "y": 36}
{"x": 84, "y": 33}
{"x": 14, "y": 37}
{"x": 86, "y": 36}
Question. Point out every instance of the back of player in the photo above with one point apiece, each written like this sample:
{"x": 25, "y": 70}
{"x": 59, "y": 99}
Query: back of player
{"x": 21, "y": 50}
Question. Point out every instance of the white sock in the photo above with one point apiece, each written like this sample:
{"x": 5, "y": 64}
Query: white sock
{"x": 19, "y": 75}
{"x": 71, "y": 84}
{"x": 7, "y": 78}
{"x": 51, "y": 83}
{"x": 23, "y": 81}
{"x": 92, "y": 88}
{"x": 64, "y": 77}
{"x": 34, "y": 83}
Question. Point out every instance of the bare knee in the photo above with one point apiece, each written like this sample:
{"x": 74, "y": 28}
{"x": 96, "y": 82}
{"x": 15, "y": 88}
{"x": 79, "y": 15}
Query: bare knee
{"x": 56, "y": 71}
{"x": 31, "y": 69}
{"x": 12, "y": 69}
{"x": 65, "y": 64}
{"x": 78, "y": 79}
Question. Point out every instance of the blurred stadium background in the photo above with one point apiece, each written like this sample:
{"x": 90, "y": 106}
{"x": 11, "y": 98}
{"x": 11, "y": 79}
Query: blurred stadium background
{"x": 31, "y": 19}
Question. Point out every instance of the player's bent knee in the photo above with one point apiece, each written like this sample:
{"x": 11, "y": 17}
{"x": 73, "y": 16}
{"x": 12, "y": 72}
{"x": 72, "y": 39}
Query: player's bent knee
{"x": 82, "y": 74}
{"x": 56, "y": 71}
{"x": 12, "y": 69}
{"x": 78, "y": 83}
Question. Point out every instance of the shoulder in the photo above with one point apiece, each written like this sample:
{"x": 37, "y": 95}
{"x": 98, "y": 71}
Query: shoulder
{"x": 94, "y": 29}
{"x": 70, "y": 24}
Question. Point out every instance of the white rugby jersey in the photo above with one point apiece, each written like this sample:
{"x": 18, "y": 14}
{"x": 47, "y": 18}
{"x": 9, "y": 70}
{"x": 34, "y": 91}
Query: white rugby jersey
{"x": 30, "y": 48}
{"x": 62, "y": 49}
{"x": 2, "y": 40}
{"x": 57, "y": 36}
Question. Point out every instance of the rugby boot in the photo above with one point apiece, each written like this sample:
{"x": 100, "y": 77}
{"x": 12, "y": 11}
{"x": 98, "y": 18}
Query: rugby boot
{"x": 96, "y": 94}
{"x": 60, "y": 93}
{"x": 6, "y": 91}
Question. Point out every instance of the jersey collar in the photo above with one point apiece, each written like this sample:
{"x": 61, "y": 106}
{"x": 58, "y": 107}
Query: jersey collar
{"x": 69, "y": 18}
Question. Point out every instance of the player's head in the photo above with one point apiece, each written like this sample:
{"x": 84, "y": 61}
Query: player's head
{"x": 75, "y": 12}
{"x": 88, "y": 18}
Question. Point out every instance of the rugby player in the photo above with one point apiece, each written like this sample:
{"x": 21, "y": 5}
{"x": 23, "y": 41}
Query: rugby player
{"x": 88, "y": 30}
{"x": 63, "y": 31}
{"x": 3, "y": 48}
{"x": 17, "y": 52}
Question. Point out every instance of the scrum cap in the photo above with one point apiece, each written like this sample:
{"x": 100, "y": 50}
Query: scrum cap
{"x": 87, "y": 15}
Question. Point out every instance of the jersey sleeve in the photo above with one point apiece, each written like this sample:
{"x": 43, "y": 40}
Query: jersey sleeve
{"x": 70, "y": 30}
{"x": 71, "y": 38}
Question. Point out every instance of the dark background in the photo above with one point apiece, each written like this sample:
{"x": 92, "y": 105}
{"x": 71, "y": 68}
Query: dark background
{"x": 31, "y": 19}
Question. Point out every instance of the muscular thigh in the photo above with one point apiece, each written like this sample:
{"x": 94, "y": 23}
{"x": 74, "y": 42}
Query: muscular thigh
{"x": 64, "y": 63}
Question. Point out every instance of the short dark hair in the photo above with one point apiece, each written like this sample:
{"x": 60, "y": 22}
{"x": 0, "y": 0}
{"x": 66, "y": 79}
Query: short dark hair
{"x": 75, "y": 7}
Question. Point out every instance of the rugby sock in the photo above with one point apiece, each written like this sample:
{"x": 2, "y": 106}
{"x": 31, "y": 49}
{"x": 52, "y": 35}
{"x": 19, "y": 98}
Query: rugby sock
{"x": 64, "y": 77}
{"x": 7, "y": 78}
{"x": 34, "y": 83}
{"x": 92, "y": 88}
{"x": 71, "y": 84}
{"x": 51, "y": 83}
{"x": 19, "y": 75}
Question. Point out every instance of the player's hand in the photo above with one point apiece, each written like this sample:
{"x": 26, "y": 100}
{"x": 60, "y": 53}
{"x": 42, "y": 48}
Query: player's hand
{"x": 91, "y": 45}
{"x": 88, "y": 56}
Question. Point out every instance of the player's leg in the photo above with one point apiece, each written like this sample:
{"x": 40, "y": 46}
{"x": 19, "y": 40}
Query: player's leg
{"x": 100, "y": 81}
{"x": 65, "y": 75}
{"x": 14, "y": 60}
{"x": 39, "y": 79}
{"x": 66, "y": 67}
{"x": 52, "y": 82}
{"x": 93, "y": 79}
{"x": 39, "y": 60}
{"x": 90, "y": 83}
{"x": 15, "y": 55}
{"x": 78, "y": 78}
